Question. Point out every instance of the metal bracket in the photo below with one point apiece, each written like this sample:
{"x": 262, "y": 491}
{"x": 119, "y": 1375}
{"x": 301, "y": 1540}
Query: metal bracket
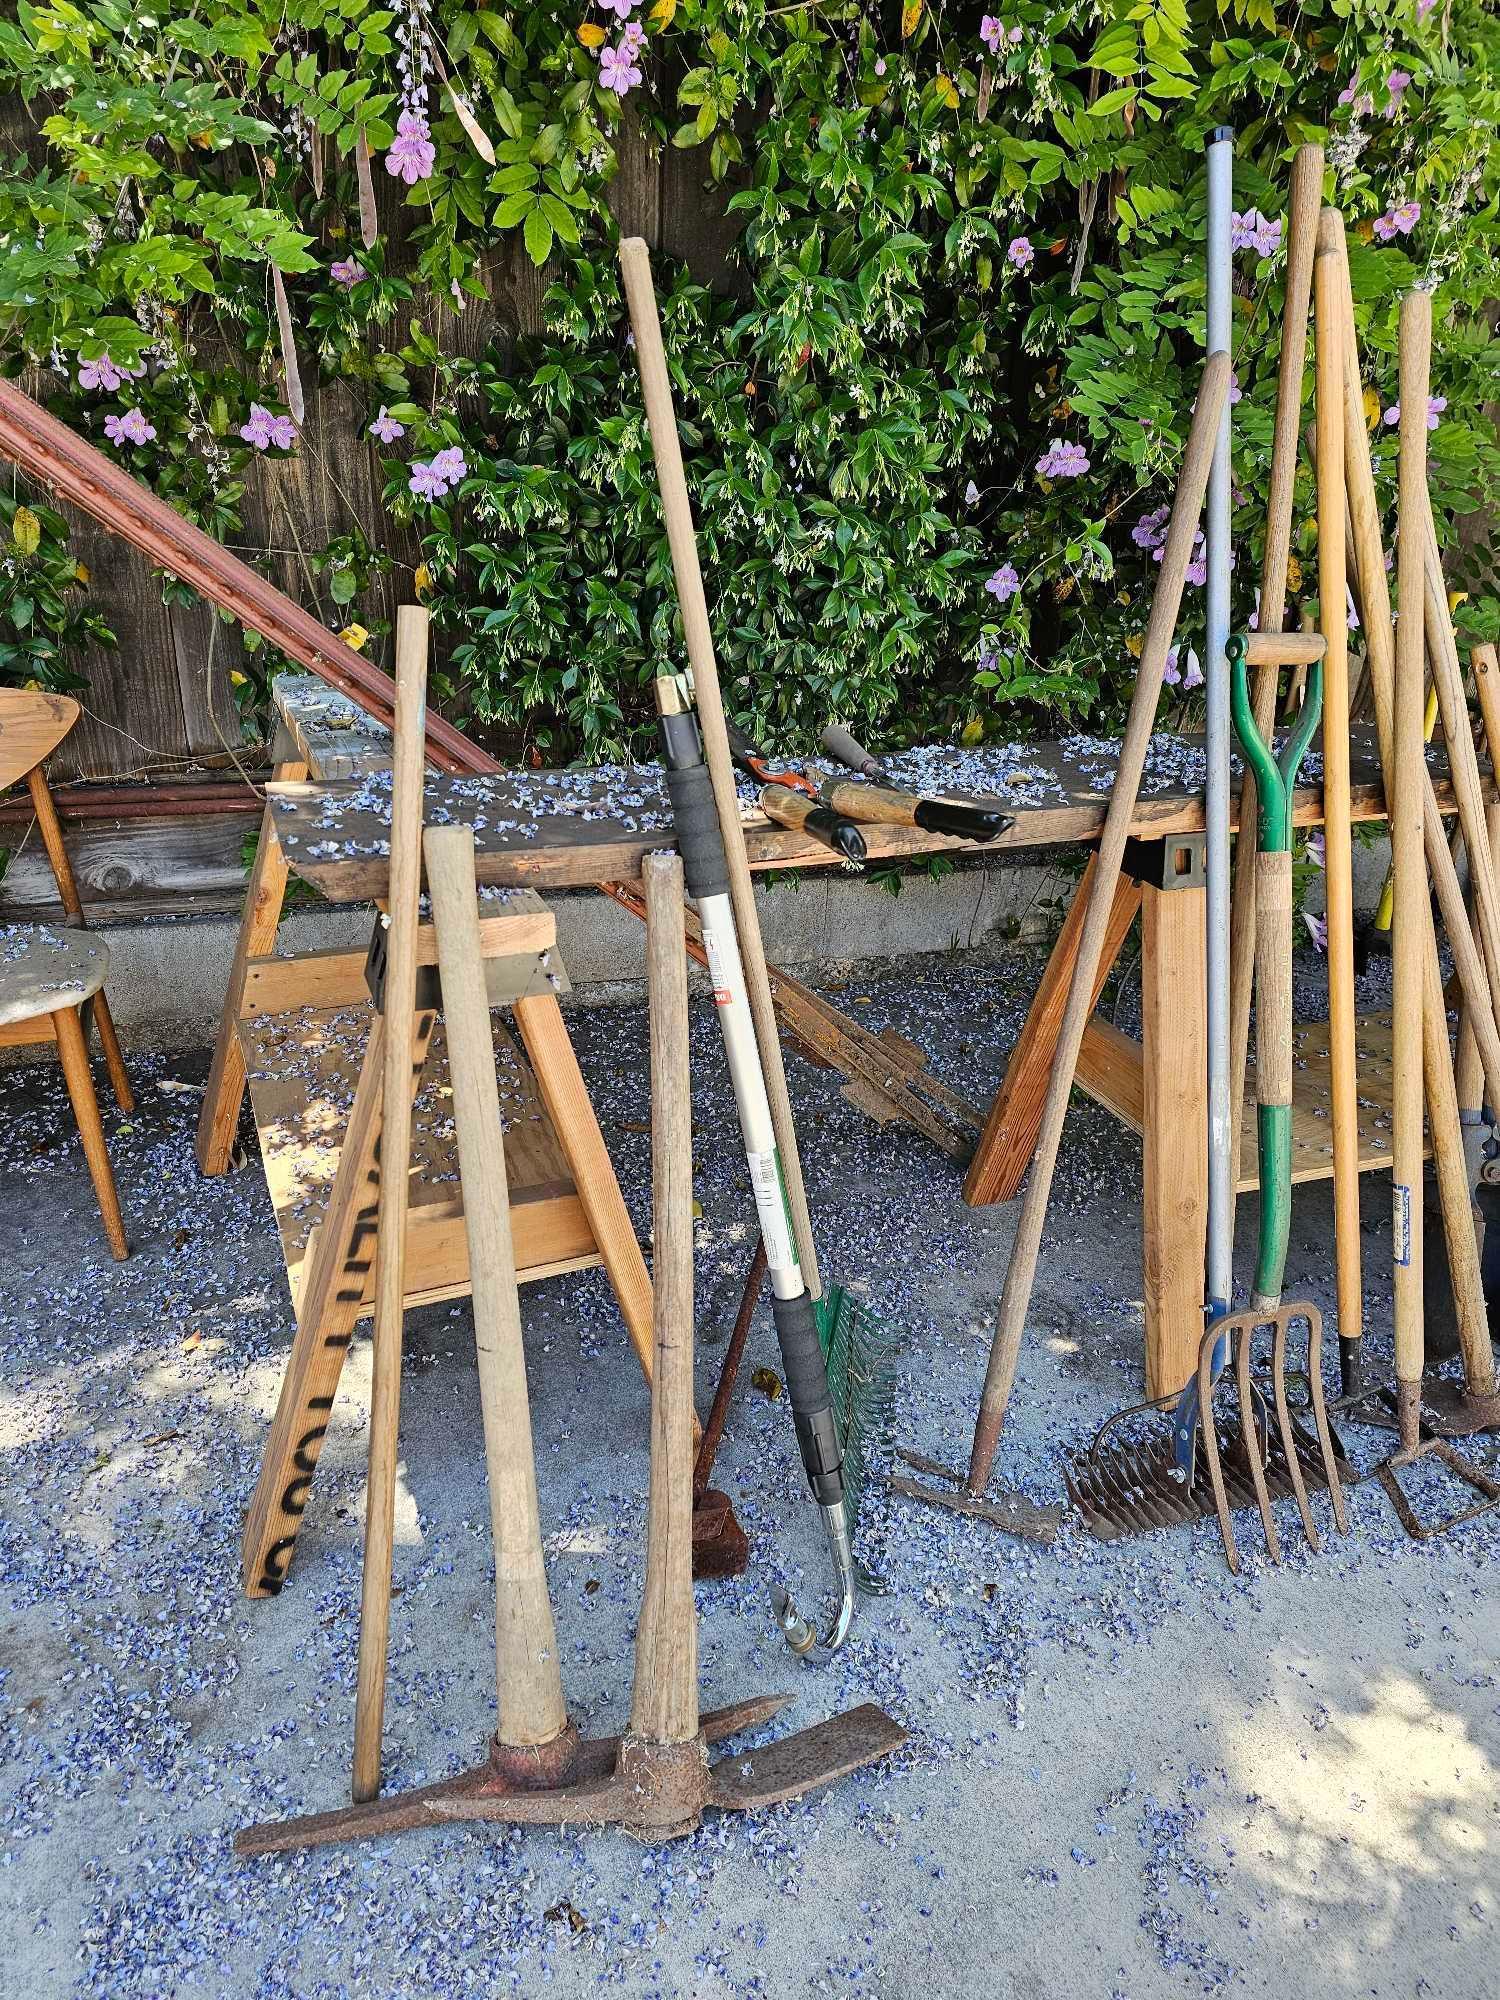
{"x": 517, "y": 975}
{"x": 1177, "y": 863}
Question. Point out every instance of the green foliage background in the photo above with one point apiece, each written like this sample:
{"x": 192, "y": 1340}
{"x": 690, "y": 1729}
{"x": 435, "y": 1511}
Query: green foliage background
{"x": 866, "y": 402}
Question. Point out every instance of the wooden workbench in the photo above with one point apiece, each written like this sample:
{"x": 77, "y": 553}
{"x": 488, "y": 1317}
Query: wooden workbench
{"x": 535, "y": 830}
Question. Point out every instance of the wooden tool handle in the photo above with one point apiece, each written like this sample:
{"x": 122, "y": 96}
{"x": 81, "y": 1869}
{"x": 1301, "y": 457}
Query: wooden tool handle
{"x": 1338, "y": 852}
{"x": 872, "y": 802}
{"x": 403, "y": 915}
{"x": 1187, "y": 508}
{"x": 813, "y": 817}
{"x": 527, "y": 1670}
{"x": 1273, "y": 979}
{"x": 1284, "y": 649}
{"x": 656, "y": 389}
{"x": 664, "y": 1702}
{"x": 1407, "y": 858}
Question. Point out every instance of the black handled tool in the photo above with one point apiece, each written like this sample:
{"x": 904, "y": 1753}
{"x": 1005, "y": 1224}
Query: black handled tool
{"x": 791, "y": 799}
{"x": 882, "y": 802}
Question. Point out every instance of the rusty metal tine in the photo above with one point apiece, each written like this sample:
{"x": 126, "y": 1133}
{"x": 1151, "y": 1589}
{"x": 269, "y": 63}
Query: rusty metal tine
{"x": 1211, "y": 1446}
{"x": 1246, "y": 1388}
{"x": 1284, "y": 1421}
{"x": 1316, "y": 1335}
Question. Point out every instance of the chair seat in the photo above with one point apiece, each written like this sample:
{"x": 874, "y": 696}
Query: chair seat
{"x": 43, "y": 970}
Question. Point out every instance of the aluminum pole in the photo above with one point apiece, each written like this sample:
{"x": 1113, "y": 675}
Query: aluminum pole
{"x": 1220, "y": 1264}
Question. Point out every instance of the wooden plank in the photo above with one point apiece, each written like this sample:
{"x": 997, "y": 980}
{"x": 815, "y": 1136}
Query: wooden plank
{"x": 571, "y": 1112}
{"x": 542, "y": 829}
{"x": 225, "y": 1091}
{"x": 1015, "y": 1115}
{"x": 136, "y": 867}
{"x": 1174, "y": 1168}
{"x": 1111, "y": 1070}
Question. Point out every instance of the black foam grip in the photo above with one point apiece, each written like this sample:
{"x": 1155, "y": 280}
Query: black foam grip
{"x": 964, "y": 822}
{"x": 801, "y": 1354}
{"x": 699, "y": 839}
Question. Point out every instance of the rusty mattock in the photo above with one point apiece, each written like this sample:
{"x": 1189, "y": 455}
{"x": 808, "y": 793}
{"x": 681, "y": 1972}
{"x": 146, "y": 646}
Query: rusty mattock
{"x": 655, "y": 1780}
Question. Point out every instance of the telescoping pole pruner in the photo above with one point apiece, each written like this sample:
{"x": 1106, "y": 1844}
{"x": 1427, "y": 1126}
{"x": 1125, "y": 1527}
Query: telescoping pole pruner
{"x": 701, "y": 843}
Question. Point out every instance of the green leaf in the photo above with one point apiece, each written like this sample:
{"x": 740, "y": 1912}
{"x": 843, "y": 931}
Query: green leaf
{"x": 538, "y": 234}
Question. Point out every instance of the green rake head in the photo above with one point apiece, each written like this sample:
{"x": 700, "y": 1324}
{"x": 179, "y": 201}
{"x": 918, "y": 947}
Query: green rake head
{"x": 860, "y": 1353}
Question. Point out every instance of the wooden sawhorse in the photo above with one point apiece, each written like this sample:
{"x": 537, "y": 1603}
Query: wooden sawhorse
{"x": 303, "y": 1030}
{"x": 1159, "y": 1088}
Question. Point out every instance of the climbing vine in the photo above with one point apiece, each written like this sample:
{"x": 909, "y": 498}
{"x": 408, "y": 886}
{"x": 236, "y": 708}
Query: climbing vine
{"x": 932, "y": 408}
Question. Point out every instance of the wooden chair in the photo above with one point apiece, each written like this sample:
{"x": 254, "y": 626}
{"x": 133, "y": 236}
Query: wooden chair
{"x": 51, "y": 980}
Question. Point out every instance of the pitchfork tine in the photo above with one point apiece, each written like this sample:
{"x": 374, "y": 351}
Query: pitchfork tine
{"x": 1315, "y": 1340}
{"x": 1206, "y": 1350}
{"x": 1251, "y": 1438}
{"x": 1284, "y": 1421}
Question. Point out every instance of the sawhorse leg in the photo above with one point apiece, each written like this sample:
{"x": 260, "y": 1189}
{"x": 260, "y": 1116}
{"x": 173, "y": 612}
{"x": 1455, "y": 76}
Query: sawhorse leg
{"x": 1174, "y": 1166}
{"x": 328, "y": 1306}
{"x": 564, "y": 1093}
{"x": 225, "y": 1093}
{"x": 1015, "y": 1117}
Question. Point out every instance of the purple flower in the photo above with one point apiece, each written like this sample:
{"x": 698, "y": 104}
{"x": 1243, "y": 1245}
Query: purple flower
{"x": 991, "y": 28}
{"x": 1353, "y": 615}
{"x": 1254, "y": 231}
{"x": 347, "y": 272}
{"x": 622, "y": 9}
{"x": 971, "y": 495}
{"x": 1021, "y": 253}
{"x": 1004, "y": 584}
{"x": 264, "y": 430}
{"x": 132, "y": 428}
{"x": 1363, "y": 103}
{"x": 107, "y": 374}
{"x": 1435, "y": 408}
{"x": 1193, "y": 673}
{"x": 1169, "y": 671}
{"x": 1197, "y": 569}
{"x": 1398, "y": 221}
{"x": 433, "y": 479}
{"x": 880, "y": 65}
{"x": 412, "y": 153}
{"x": 1397, "y": 83}
{"x": 386, "y": 428}
{"x": 1317, "y": 929}
{"x": 1062, "y": 461}
{"x": 632, "y": 39}
{"x": 1235, "y": 391}
{"x": 1150, "y": 531}
{"x": 427, "y": 483}
{"x": 1315, "y": 848}
{"x": 1424, "y": 8}
{"x": 1015, "y": 34}
{"x": 617, "y": 69}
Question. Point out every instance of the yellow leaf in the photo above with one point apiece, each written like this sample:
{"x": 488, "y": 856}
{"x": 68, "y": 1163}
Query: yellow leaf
{"x": 1455, "y": 598}
{"x": 1134, "y": 644}
{"x": 26, "y": 529}
{"x": 591, "y": 35}
{"x": 1372, "y": 409}
{"x": 422, "y": 580}
{"x": 911, "y": 13}
{"x": 355, "y": 636}
{"x": 1293, "y": 573}
{"x": 947, "y": 90}
{"x": 662, "y": 13}
{"x": 80, "y": 572}
{"x": 972, "y": 732}
{"x": 236, "y": 678}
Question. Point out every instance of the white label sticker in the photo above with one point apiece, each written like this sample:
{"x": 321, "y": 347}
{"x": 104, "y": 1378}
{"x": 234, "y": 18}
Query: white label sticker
{"x": 1401, "y": 1223}
{"x": 716, "y": 970}
{"x": 770, "y": 1205}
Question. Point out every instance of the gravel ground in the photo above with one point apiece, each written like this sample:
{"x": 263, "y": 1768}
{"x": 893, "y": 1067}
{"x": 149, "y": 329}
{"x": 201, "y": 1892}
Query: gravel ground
{"x": 1130, "y": 1774}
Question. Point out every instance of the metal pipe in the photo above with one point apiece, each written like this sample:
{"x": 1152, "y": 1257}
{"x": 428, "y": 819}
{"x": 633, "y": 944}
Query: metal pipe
{"x": 1220, "y": 1264}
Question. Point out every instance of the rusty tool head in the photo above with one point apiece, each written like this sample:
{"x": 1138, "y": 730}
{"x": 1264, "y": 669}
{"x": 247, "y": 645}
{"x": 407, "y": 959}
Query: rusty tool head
{"x": 1136, "y": 1487}
{"x": 1010, "y": 1512}
{"x": 656, "y": 1791}
{"x": 1419, "y": 1441}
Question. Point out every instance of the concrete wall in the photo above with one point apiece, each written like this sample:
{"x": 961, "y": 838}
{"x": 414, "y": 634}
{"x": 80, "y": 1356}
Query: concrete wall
{"x": 168, "y": 975}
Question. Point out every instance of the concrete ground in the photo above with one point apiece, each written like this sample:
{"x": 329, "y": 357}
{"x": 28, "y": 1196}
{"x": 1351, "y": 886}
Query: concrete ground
{"x": 1129, "y": 1773}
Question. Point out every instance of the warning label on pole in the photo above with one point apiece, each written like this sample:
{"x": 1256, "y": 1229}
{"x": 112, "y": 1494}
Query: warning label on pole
{"x": 770, "y": 1206}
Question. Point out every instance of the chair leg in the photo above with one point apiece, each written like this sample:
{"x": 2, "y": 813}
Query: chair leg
{"x": 75, "y": 1061}
{"x": 109, "y": 1041}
